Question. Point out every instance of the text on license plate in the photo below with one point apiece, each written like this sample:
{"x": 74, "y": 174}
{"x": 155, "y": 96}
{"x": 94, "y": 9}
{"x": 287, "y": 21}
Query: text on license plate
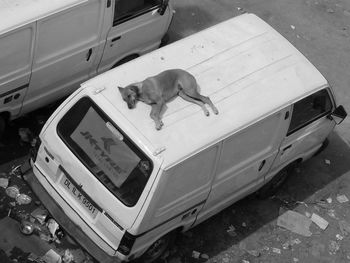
{"x": 78, "y": 196}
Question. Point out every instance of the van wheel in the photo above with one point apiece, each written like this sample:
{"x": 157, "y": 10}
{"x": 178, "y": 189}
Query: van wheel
{"x": 274, "y": 184}
{"x": 156, "y": 250}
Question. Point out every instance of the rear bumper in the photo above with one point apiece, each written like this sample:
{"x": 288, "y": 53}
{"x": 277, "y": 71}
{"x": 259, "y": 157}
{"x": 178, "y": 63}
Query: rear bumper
{"x": 70, "y": 227}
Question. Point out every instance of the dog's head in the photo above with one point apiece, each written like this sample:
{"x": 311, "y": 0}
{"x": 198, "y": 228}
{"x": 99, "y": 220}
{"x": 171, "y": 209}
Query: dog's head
{"x": 130, "y": 95}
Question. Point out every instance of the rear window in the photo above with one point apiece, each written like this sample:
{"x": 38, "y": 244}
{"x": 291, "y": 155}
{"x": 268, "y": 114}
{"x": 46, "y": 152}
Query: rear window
{"x": 105, "y": 150}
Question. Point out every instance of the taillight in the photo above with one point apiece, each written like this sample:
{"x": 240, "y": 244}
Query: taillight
{"x": 33, "y": 152}
{"x": 126, "y": 243}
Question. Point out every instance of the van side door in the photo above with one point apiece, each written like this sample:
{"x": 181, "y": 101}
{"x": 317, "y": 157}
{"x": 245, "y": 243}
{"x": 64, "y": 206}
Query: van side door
{"x": 66, "y": 45}
{"x": 137, "y": 29}
{"x": 16, "y": 55}
{"x": 246, "y": 157}
{"x": 309, "y": 127}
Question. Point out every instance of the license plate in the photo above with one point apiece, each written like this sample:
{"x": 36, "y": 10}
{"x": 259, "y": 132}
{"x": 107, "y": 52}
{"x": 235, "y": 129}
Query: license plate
{"x": 79, "y": 197}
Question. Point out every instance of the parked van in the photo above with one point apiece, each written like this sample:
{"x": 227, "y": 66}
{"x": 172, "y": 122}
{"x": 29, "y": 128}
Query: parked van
{"x": 47, "y": 48}
{"x": 123, "y": 189}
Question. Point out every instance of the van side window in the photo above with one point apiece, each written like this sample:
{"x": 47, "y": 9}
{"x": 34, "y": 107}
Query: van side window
{"x": 310, "y": 109}
{"x": 126, "y": 9}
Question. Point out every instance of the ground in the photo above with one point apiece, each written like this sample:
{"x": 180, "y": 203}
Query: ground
{"x": 247, "y": 231}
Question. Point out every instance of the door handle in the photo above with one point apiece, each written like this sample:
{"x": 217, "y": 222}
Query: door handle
{"x": 88, "y": 54}
{"x": 116, "y": 38}
{"x": 262, "y": 164}
{"x": 288, "y": 147}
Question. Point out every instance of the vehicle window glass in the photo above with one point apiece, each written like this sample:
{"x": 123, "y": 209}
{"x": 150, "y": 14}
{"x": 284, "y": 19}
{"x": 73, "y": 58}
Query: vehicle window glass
{"x": 309, "y": 109}
{"x": 126, "y": 9}
{"x": 105, "y": 150}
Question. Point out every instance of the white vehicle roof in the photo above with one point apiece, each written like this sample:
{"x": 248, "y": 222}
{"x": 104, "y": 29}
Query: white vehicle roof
{"x": 245, "y": 67}
{"x": 17, "y": 13}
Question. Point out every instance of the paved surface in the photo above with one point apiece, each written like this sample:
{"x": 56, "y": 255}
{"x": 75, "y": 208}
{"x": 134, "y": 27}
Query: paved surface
{"x": 248, "y": 231}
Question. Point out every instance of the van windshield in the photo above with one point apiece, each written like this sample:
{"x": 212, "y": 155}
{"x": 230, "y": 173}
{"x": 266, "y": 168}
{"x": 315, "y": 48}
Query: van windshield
{"x": 105, "y": 150}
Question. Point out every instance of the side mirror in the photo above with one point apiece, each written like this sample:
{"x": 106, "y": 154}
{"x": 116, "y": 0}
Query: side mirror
{"x": 339, "y": 114}
{"x": 163, "y": 7}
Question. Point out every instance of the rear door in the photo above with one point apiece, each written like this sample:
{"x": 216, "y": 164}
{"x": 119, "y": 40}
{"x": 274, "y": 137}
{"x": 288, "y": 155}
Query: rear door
{"x": 309, "y": 127}
{"x": 67, "y": 44}
{"x": 137, "y": 28}
{"x": 16, "y": 55}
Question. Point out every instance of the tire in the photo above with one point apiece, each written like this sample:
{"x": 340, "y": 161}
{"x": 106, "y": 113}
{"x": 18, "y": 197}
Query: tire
{"x": 274, "y": 184}
{"x": 157, "y": 249}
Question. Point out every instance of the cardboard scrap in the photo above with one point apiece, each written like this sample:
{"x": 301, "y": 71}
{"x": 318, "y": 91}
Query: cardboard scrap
{"x": 342, "y": 199}
{"x": 51, "y": 257}
{"x": 4, "y": 182}
{"x": 321, "y": 222}
{"x": 295, "y": 222}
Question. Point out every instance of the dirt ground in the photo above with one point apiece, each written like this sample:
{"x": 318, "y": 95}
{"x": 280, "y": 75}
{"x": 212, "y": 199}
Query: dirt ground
{"x": 248, "y": 231}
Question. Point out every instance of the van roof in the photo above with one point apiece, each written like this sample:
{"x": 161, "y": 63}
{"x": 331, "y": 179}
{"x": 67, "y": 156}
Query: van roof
{"x": 17, "y": 13}
{"x": 245, "y": 67}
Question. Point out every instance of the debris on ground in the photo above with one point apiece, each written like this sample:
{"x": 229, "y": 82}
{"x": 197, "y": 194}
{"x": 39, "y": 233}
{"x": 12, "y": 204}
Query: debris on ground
{"x": 67, "y": 257}
{"x": 251, "y": 251}
{"x": 295, "y": 222}
{"x": 231, "y": 231}
{"x": 276, "y": 250}
{"x": 333, "y": 247}
{"x": 25, "y": 134}
{"x": 328, "y": 162}
{"x": 4, "y": 182}
{"x": 344, "y": 227}
{"x": 342, "y": 199}
{"x": 12, "y": 191}
{"x": 290, "y": 243}
{"x": 196, "y": 254}
{"x": 23, "y": 199}
{"x": 40, "y": 214}
{"x": 321, "y": 222}
{"x": 51, "y": 257}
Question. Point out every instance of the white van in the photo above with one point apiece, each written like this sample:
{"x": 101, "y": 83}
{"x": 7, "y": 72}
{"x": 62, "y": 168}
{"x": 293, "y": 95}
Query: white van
{"x": 123, "y": 189}
{"x": 47, "y": 48}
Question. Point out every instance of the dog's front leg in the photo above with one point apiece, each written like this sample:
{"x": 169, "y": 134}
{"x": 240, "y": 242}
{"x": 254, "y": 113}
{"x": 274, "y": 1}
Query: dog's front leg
{"x": 155, "y": 114}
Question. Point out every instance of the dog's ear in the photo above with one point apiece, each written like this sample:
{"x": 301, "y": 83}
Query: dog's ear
{"x": 121, "y": 90}
{"x": 135, "y": 89}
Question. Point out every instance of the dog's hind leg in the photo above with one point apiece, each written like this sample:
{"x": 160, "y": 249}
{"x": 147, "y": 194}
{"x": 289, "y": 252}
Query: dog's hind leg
{"x": 155, "y": 114}
{"x": 189, "y": 99}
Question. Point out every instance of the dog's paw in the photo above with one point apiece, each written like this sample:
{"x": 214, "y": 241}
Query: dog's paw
{"x": 159, "y": 125}
{"x": 216, "y": 112}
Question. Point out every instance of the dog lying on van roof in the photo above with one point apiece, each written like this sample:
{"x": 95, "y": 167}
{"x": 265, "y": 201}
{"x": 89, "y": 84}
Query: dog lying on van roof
{"x": 158, "y": 90}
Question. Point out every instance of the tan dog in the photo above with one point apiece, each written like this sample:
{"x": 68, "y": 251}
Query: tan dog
{"x": 159, "y": 89}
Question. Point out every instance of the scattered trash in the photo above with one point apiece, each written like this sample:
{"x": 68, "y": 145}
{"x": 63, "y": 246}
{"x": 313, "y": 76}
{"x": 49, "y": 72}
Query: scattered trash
{"x": 196, "y": 254}
{"x": 342, "y": 199}
{"x": 245, "y": 261}
{"x": 205, "y": 256}
{"x": 53, "y": 226}
{"x": 40, "y": 214}
{"x": 244, "y": 224}
{"x": 333, "y": 247}
{"x": 339, "y": 237}
{"x": 16, "y": 171}
{"x": 231, "y": 231}
{"x": 330, "y": 10}
{"x": 331, "y": 213}
{"x": 308, "y": 214}
{"x": 326, "y": 161}
{"x": 323, "y": 204}
{"x": 293, "y": 27}
{"x": 25, "y": 134}
{"x": 23, "y": 199}
{"x": 67, "y": 257}
{"x": 12, "y": 191}
{"x": 295, "y": 260}
{"x": 344, "y": 227}
{"x": 4, "y": 182}
{"x": 51, "y": 257}
{"x": 291, "y": 243}
{"x": 322, "y": 223}
{"x": 295, "y": 222}
{"x": 329, "y": 200}
{"x": 26, "y": 227}
{"x": 276, "y": 250}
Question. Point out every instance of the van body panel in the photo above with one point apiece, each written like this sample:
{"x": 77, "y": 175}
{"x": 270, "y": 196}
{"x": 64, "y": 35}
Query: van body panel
{"x": 17, "y": 13}
{"x": 66, "y": 50}
{"x": 124, "y": 37}
{"x": 15, "y": 70}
